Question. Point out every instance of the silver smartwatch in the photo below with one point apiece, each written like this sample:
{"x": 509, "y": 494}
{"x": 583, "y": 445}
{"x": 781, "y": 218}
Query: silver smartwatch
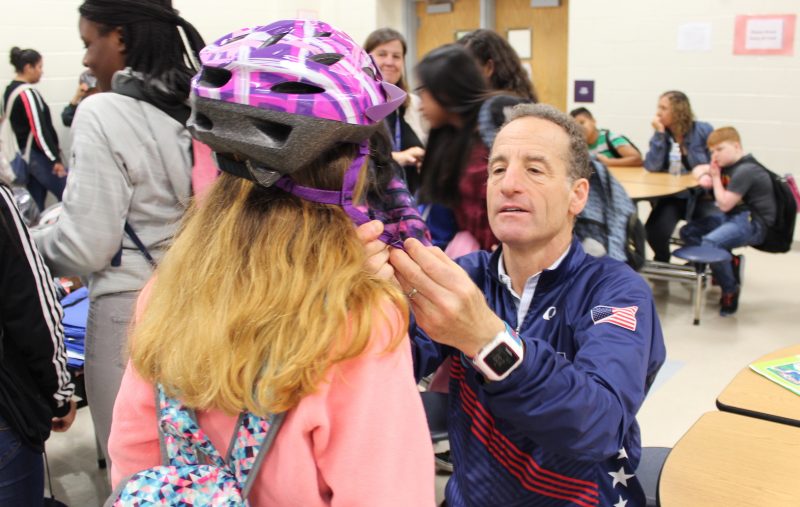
{"x": 498, "y": 358}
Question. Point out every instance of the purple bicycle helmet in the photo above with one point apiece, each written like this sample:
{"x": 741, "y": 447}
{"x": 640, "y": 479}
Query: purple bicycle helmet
{"x": 283, "y": 94}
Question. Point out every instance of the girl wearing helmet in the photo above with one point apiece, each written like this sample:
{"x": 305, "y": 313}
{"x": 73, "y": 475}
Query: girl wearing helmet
{"x": 264, "y": 296}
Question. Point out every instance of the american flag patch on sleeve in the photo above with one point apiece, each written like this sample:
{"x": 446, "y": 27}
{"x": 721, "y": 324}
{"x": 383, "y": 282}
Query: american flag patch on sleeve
{"x": 622, "y": 317}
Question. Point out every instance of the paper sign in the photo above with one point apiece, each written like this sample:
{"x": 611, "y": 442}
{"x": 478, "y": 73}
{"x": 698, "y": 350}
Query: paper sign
{"x": 764, "y": 35}
{"x": 694, "y": 37}
{"x": 520, "y": 40}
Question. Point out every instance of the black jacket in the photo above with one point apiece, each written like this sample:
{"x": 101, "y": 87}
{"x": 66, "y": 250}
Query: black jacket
{"x": 35, "y": 384}
{"x": 30, "y": 113}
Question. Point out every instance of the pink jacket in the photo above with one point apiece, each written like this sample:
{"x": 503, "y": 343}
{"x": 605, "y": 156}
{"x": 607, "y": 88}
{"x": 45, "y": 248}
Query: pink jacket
{"x": 361, "y": 439}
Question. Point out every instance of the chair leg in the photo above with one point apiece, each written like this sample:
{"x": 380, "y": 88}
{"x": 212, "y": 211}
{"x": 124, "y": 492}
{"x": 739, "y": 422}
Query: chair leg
{"x": 698, "y": 292}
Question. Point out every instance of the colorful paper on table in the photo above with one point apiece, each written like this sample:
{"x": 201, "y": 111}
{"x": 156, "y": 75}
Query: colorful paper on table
{"x": 784, "y": 371}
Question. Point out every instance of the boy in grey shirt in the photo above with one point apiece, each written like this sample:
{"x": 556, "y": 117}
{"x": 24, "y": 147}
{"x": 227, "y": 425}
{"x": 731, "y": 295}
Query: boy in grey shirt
{"x": 743, "y": 192}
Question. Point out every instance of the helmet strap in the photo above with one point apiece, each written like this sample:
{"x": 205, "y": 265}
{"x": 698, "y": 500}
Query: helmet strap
{"x": 343, "y": 198}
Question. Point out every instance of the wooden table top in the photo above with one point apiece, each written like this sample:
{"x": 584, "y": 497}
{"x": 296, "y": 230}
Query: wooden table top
{"x": 753, "y": 395}
{"x": 643, "y": 184}
{"x": 729, "y": 460}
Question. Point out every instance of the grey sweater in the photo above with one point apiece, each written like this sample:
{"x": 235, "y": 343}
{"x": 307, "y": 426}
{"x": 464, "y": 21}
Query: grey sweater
{"x": 130, "y": 161}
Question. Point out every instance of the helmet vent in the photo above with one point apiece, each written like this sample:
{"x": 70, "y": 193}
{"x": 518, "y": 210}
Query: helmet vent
{"x": 275, "y": 132}
{"x": 203, "y": 122}
{"x": 368, "y": 71}
{"x": 327, "y": 58}
{"x": 215, "y": 77}
{"x": 323, "y": 34}
{"x": 295, "y": 88}
{"x": 274, "y": 39}
{"x": 234, "y": 39}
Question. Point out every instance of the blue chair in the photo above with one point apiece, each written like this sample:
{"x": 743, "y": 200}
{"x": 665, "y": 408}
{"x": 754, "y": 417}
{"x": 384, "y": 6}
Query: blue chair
{"x": 701, "y": 256}
{"x": 649, "y": 471}
{"x": 436, "y": 412}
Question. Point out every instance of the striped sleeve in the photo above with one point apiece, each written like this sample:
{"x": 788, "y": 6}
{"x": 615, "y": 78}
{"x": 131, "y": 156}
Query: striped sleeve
{"x": 41, "y": 125}
{"x": 31, "y": 312}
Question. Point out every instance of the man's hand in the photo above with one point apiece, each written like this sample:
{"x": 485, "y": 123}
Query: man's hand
{"x": 446, "y": 302}
{"x": 59, "y": 170}
{"x": 656, "y": 123}
{"x": 61, "y": 424}
{"x": 412, "y": 156}
{"x": 377, "y": 263}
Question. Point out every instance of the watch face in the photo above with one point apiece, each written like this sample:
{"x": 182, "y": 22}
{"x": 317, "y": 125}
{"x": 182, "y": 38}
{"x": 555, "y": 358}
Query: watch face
{"x": 501, "y": 359}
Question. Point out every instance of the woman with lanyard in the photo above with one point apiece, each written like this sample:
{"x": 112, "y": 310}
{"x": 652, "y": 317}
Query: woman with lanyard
{"x": 130, "y": 171}
{"x": 409, "y": 131}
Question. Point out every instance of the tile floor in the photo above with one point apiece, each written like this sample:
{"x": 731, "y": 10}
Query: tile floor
{"x": 701, "y": 361}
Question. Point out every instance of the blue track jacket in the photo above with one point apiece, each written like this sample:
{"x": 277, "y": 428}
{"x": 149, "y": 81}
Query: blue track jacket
{"x": 561, "y": 429}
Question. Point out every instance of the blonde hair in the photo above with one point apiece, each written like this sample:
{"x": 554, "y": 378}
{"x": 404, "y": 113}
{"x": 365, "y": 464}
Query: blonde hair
{"x": 723, "y": 134}
{"x": 259, "y": 296}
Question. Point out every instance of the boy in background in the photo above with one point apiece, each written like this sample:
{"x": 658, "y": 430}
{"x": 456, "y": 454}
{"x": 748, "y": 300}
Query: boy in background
{"x": 743, "y": 192}
{"x": 609, "y": 148}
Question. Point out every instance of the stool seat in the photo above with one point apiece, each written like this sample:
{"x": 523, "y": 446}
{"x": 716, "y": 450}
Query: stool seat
{"x": 702, "y": 254}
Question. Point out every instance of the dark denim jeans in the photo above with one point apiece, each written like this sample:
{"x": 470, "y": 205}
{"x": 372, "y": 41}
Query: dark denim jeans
{"x": 21, "y": 471}
{"x": 41, "y": 179}
{"x": 726, "y": 232}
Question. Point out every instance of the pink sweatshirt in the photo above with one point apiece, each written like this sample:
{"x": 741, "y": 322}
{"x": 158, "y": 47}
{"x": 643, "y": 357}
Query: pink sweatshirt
{"x": 361, "y": 439}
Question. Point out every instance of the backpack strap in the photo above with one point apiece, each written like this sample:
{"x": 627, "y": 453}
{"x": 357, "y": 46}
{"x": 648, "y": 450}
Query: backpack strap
{"x": 7, "y": 117}
{"x": 180, "y": 439}
{"x": 609, "y": 144}
{"x": 250, "y": 444}
{"x": 180, "y": 436}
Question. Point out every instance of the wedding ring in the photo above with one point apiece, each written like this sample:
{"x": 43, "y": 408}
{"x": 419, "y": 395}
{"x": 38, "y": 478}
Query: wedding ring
{"x": 413, "y": 292}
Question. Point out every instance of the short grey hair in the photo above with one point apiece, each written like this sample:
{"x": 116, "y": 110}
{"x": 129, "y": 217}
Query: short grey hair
{"x": 579, "y": 164}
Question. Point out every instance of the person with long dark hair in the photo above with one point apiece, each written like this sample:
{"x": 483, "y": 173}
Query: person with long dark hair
{"x": 131, "y": 174}
{"x": 675, "y": 123}
{"x": 406, "y": 126}
{"x": 453, "y": 92}
{"x": 500, "y": 63}
{"x": 33, "y": 127}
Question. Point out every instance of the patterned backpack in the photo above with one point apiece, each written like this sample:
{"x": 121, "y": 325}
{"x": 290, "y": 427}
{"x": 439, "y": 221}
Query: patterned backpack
{"x": 193, "y": 472}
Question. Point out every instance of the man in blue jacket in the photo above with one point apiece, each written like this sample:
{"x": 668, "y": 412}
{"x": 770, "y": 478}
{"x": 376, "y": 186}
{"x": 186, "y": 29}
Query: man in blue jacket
{"x": 552, "y": 350}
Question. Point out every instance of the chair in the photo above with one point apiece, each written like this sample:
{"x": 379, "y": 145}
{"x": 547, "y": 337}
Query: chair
{"x": 436, "y": 412}
{"x": 701, "y": 256}
{"x": 649, "y": 471}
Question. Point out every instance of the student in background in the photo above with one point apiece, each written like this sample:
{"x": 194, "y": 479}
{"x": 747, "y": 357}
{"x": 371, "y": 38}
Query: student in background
{"x": 131, "y": 166}
{"x": 743, "y": 192}
{"x": 609, "y": 148}
{"x": 407, "y": 128}
{"x": 35, "y": 385}
{"x": 30, "y": 119}
{"x": 453, "y": 92}
{"x": 675, "y": 123}
{"x": 500, "y": 63}
{"x": 87, "y": 85}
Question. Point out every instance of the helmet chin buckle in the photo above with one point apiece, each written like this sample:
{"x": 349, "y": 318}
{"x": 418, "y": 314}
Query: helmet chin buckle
{"x": 264, "y": 177}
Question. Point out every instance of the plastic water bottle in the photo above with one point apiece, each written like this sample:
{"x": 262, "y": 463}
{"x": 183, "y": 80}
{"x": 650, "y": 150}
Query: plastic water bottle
{"x": 675, "y": 163}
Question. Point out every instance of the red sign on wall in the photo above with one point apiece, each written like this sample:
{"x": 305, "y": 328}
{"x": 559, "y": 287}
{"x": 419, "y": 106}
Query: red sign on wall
{"x": 764, "y": 35}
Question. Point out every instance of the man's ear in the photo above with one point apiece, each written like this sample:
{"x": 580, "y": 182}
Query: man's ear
{"x": 578, "y": 196}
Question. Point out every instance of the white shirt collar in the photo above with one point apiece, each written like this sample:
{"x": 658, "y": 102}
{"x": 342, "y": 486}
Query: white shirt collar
{"x": 524, "y": 302}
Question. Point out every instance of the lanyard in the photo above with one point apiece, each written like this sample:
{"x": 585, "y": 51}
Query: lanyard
{"x": 397, "y": 145}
